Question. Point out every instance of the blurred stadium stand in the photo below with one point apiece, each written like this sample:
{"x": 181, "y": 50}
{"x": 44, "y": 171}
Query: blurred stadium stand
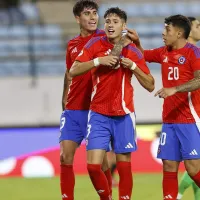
{"x": 33, "y": 34}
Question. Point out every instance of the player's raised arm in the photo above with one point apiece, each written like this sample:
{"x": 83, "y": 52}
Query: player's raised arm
{"x": 152, "y": 55}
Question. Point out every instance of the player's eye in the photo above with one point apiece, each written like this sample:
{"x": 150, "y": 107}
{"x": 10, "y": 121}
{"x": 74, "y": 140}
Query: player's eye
{"x": 87, "y": 13}
{"x": 95, "y": 13}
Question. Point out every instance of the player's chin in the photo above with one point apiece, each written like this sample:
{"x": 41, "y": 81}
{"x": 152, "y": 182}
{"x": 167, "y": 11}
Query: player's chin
{"x": 92, "y": 28}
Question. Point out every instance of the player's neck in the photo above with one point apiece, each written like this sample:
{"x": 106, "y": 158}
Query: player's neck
{"x": 192, "y": 41}
{"x": 179, "y": 44}
{"x": 114, "y": 40}
{"x": 85, "y": 33}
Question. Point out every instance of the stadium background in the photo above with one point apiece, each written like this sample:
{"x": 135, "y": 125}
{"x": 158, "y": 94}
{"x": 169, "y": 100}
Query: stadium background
{"x": 33, "y": 36}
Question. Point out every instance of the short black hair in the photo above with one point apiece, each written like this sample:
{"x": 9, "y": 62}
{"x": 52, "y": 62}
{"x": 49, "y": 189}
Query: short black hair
{"x": 116, "y": 10}
{"x": 192, "y": 19}
{"x": 82, "y": 4}
{"x": 180, "y": 21}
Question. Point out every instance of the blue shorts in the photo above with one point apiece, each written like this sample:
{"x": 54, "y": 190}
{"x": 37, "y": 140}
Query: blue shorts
{"x": 73, "y": 125}
{"x": 120, "y": 130}
{"x": 179, "y": 142}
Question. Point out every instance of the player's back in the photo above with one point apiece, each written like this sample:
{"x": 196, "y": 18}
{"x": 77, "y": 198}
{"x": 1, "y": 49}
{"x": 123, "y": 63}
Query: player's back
{"x": 178, "y": 67}
{"x": 79, "y": 95}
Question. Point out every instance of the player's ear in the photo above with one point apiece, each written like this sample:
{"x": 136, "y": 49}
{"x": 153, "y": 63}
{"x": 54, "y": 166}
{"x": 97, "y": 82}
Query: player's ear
{"x": 180, "y": 34}
{"x": 124, "y": 26}
{"x": 77, "y": 19}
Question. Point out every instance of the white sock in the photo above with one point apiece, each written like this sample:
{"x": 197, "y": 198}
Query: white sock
{"x": 179, "y": 196}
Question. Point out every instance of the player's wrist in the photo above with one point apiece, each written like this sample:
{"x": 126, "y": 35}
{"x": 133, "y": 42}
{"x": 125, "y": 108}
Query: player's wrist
{"x": 96, "y": 62}
{"x": 133, "y": 66}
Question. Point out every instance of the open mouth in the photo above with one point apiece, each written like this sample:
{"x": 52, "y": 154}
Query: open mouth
{"x": 111, "y": 31}
{"x": 92, "y": 23}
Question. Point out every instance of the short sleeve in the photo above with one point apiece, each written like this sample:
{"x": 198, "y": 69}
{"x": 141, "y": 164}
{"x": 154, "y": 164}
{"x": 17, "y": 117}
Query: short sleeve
{"x": 68, "y": 58}
{"x": 136, "y": 56}
{"x": 153, "y": 55}
{"x": 88, "y": 51}
{"x": 195, "y": 61}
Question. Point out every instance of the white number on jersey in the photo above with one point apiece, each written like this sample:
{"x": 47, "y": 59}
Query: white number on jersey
{"x": 173, "y": 73}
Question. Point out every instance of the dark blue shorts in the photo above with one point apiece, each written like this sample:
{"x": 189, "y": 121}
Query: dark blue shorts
{"x": 120, "y": 130}
{"x": 179, "y": 142}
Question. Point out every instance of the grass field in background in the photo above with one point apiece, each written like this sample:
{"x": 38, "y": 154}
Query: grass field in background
{"x": 146, "y": 187}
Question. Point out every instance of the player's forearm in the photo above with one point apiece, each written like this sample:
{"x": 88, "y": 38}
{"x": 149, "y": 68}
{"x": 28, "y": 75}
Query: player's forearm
{"x": 146, "y": 80}
{"x": 117, "y": 49}
{"x": 79, "y": 68}
{"x": 67, "y": 82}
{"x": 190, "y": 86}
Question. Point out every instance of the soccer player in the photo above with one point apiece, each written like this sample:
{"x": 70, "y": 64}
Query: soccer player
{"x": 186, "y": 181}
{"x": 180, "y": 138}
{"x": 111, "y": 115}
{"x": 76, "y": 99}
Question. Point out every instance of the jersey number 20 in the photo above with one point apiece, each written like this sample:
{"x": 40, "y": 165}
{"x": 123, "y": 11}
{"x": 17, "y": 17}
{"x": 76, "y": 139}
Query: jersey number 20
{"x": 173, "y": 73}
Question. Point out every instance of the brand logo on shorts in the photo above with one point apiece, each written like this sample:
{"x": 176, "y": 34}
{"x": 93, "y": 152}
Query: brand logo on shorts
{"x": 194, "y": 152}
{"x": 129, "y": 146}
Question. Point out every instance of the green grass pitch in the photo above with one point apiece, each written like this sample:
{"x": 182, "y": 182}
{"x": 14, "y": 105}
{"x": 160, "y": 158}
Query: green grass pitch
{"x": 146, "y": 187}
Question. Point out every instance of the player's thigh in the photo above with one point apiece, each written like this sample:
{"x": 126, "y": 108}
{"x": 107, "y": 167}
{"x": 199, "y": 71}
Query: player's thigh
{"x": 98, "y": 132}
{"x": 69, "y": 127}
{"x": 124, "y": 135}
{"x": 169, "y": 145}
{"x": 189, "y": 137}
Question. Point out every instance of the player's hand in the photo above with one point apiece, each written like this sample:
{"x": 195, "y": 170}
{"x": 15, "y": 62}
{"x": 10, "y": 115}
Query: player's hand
{"x": 109, "y": 61}
{"x": 166, "y": 92}
{"x": 133, "y": 35}
{"x": 126, "y": 62}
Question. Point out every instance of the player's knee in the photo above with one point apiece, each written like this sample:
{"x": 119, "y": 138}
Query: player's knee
{"x": 192, "y": 167}
{"x": 66, "y": 159}
{"x": 170, "y": 166}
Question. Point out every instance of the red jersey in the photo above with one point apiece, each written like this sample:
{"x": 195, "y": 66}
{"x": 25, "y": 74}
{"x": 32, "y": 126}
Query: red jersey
{"x": 79, "y": 95}
{"x": 178, "y": 67}
{"x": 112, "y": 90}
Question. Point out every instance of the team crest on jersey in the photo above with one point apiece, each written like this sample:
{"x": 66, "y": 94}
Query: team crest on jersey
{"x": 159, "y": 150}
{"x": 181, "y": 60}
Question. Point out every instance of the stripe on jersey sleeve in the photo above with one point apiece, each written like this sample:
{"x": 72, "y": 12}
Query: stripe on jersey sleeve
{"x": 91, "y": 42}
{"x": 195, "y": 49}
{"x": 136, "y": 51}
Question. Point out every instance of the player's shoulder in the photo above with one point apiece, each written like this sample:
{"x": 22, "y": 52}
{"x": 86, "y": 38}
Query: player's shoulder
{"x": 99, "y": 32}
{"x": 133, "y": 49}
{"x": 193, "y": 50}
{"x": 93, "y": 42}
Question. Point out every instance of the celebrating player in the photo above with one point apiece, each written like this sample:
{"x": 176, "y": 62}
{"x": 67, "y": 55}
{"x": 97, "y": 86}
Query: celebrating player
{"x": 186, "y": 181}
{"x": 111, "y": 115}
{"x": 76, "y": 99}
{"x": 180, "y": 136}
